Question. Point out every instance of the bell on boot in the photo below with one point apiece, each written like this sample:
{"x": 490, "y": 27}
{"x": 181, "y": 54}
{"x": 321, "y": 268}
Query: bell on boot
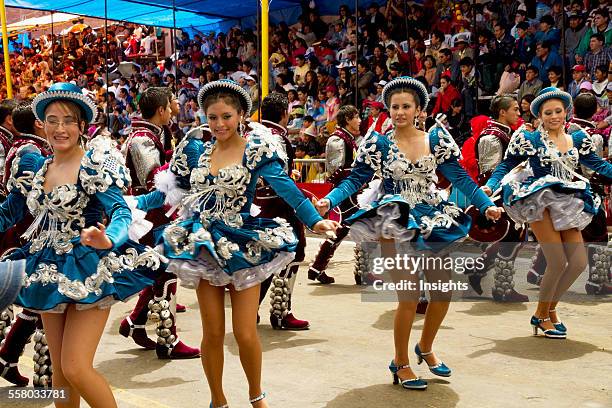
{"x": 510, "y": 296}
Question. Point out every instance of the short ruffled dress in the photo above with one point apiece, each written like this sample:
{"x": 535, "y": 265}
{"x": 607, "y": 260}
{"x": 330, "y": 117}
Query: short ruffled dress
{"x": 219, "y": 240}
{"x": 545, "y": 179}
{"x": 404, "y": 203}
{"x": 59, "y": 270}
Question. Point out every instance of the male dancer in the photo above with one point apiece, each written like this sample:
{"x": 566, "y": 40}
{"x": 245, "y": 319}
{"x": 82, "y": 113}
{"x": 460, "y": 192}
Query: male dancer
{"x": 490, "y": 149}
{"x": 145, "y": 152}
{"x": 29, "y": 135}
{"x": 275, "y": 117}
{"x": 600, "y": 262}
{"x": 339, "y": 153}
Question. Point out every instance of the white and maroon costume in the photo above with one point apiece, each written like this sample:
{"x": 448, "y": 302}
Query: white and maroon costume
{"x": 490, "y": 149}
{"x": 273, "y": 206}
{"x": 146, "y": 155}
{"x": 26, "y": 322}
{"x": 339, "y": 152}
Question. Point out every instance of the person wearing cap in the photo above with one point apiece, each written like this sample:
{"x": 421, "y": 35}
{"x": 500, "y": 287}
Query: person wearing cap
{"x": 548, "y": 33}
{"x": 75, "y": 269}
{"x": 329, "y": 67}
{"x": 406, "y": 207}
{"x": 219, "y": 245}
{"x": 378, "y": 120}
{"x": 578, "y": 77}
{"x": 31, "y": 137}
{"x": 339, "y": 152}
{"x": 573, "y": 35}
{"x": 598, "y": 283}
{"x": 463, "y": 50}
{"x": 380, "y": 85}
{"x": 145, "y": 153}
{"x": 525, "y": 46}
{"x": 555, "y": 206}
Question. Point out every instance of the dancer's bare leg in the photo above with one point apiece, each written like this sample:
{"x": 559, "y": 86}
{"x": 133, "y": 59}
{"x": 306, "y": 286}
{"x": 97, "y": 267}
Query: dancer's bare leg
{"x": 82, "y": 333}
{"x": 54, "y": 331}
{"x": 404, "y": 314}
{"x": 436, "y": 311}
{"x": 245, "y": 304}
{"x": 556, "y": 261}
{"x": 212, "y": 312}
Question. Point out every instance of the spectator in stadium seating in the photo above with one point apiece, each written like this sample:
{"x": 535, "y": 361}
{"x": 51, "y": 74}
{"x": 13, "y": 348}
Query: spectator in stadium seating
{"x": 545, "y": 58}
{"x": 578, "y": 76}
{"x": 597, "y": 55}
{"x": 379, "y": 57}
{"x": 366, "y": 79}
{"x": 467, "y": 85}
{"x": 600, "y": 81}
{"x": 548, "y": 33}
{"x": 524, "y": 49}
{"x": 429, "y": 70}
{"x": 446, "y": 95}
{"x": 600, "y": 25}
{"x": 573, "y": 35}
{"x": 525, "y": 106}
{"x": 462, "y": 50}
{"x": 446, "y": 64}
{"x": 555, "y": 78}
{"x": 502, "y": 48}
{"x": 532, "y": 83}
{"x": 437, "y": 43}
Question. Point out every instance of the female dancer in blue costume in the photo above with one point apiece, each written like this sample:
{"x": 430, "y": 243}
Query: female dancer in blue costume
{"x": 218, "y": 244}
{"x": 409, "y": 208}
{"x": 75, "y": 267}
{"x": 553, "y": 199}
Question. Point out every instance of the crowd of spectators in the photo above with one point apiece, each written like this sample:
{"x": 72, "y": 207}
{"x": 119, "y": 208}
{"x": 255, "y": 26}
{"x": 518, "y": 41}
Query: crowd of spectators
{"x": 463, "y": 52}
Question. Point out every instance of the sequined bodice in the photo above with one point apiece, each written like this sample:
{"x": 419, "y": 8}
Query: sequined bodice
{"x": 58, "y": 215}
{"x": 220, "y": 197}
{"x": 414, "y": 181}
{"x": 546, "y": 158}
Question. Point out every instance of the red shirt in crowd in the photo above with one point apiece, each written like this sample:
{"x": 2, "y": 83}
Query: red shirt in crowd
{"x": 444, "y": 100}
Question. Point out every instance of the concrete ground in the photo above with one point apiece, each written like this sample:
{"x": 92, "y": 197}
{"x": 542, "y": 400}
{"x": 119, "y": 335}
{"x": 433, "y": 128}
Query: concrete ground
{"x": 341, "y": 362}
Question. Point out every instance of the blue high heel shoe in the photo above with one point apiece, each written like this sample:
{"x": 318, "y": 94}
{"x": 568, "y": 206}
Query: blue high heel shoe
{"x": 548, "y": 333}
{"x": 411, "y": 384}
{"x": 439, "y": 369}
{"x": 559, "y": 326}
{"x": 223, "y": 406}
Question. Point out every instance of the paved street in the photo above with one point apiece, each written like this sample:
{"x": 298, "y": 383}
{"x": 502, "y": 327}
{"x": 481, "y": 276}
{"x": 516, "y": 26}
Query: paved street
{"x": 341, "y": 362}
